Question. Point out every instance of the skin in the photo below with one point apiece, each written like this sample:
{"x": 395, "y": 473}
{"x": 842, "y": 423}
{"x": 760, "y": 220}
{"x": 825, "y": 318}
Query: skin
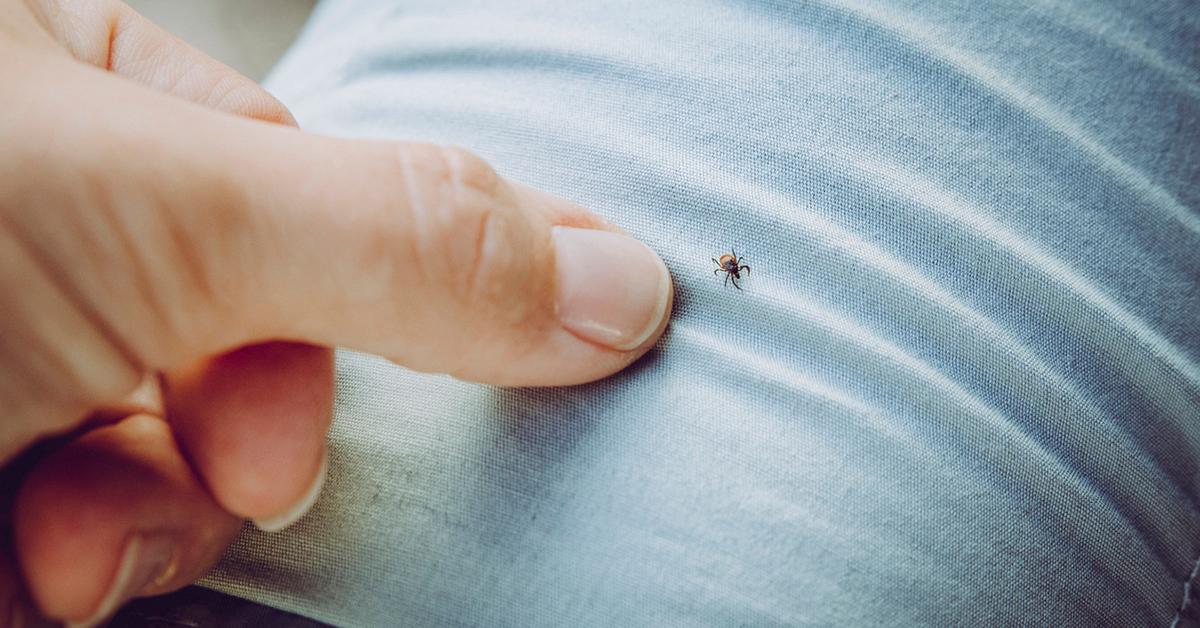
{"x": 176, "y": 260}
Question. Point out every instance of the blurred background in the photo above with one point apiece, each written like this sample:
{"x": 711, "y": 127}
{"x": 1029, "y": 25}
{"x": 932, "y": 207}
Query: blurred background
{"x": 248, "y": 35}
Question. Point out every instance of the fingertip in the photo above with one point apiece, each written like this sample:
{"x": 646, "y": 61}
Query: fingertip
{"x": 612, "y": 289}
{"x": 613, "y": 271}
{"x": 301, "y": 506}
{"x": 114, "y": 515}
{"x": 253, "y": 424}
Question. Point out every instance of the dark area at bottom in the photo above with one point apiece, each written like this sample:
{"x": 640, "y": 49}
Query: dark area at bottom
{"x": 197, "y": 607}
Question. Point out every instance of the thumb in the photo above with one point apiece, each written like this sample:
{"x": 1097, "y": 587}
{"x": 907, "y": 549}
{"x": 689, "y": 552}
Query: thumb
{"x": 420, "y": 253}
{"x": 441, "y": 265}
{"x": 425, "y": 255}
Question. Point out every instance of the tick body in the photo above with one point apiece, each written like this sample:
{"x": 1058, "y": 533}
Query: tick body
{"x": 732, "y": 266}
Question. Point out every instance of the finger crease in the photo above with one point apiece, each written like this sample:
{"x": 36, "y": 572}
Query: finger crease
{"x": 58, "y": 278}
{"x": 483, "y": 237}
{"x": 414, "y": 213}
{"x": 113, "y": 27}
{"x": 150, "y": 297}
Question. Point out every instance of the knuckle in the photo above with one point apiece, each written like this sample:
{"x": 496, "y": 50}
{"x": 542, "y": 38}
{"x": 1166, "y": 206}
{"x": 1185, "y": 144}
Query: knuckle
{"x": 447, "y": 171}
{"x": 481, "y": 217}
{"x": 469, "y": 173}
{"x": 464, "y": 218}
{"x": 472, "y": 249}
{"x": 457, "y": 234}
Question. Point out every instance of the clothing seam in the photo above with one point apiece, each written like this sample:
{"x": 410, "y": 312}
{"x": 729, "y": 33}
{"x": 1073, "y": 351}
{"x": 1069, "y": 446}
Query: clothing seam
{"x": 1186, "y": 605}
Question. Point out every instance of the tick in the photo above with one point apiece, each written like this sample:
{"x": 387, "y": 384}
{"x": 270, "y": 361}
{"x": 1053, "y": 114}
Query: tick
{"x": 732, "y": 266}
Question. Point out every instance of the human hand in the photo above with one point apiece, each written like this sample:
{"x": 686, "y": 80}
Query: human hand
{"x": 159, "y": 216}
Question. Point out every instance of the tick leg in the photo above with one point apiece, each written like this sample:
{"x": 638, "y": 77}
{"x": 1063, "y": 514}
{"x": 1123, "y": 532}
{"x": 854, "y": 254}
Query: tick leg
{"x": 727, "y": 279}
{"x": 745, "y": 268}
{"x": 716, "y": 270}
{"x": 735, "y": 284}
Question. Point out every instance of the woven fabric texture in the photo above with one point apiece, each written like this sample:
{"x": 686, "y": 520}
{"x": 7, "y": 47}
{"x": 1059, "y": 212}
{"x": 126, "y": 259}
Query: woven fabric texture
{"x": 960, "y": 387}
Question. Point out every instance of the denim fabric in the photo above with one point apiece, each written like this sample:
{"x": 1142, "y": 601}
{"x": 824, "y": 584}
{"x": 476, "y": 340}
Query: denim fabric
{"x": 961, "y": 386}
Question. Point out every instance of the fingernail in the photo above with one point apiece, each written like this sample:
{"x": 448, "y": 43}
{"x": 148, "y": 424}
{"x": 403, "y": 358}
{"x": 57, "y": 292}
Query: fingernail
{"x": 148, "y": 559}
{"x": 612, "y": 289}
{"x": 302, "y": 505}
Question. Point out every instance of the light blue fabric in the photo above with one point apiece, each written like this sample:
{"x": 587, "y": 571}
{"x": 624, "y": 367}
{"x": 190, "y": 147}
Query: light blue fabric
{"x": 961, "y": 386}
